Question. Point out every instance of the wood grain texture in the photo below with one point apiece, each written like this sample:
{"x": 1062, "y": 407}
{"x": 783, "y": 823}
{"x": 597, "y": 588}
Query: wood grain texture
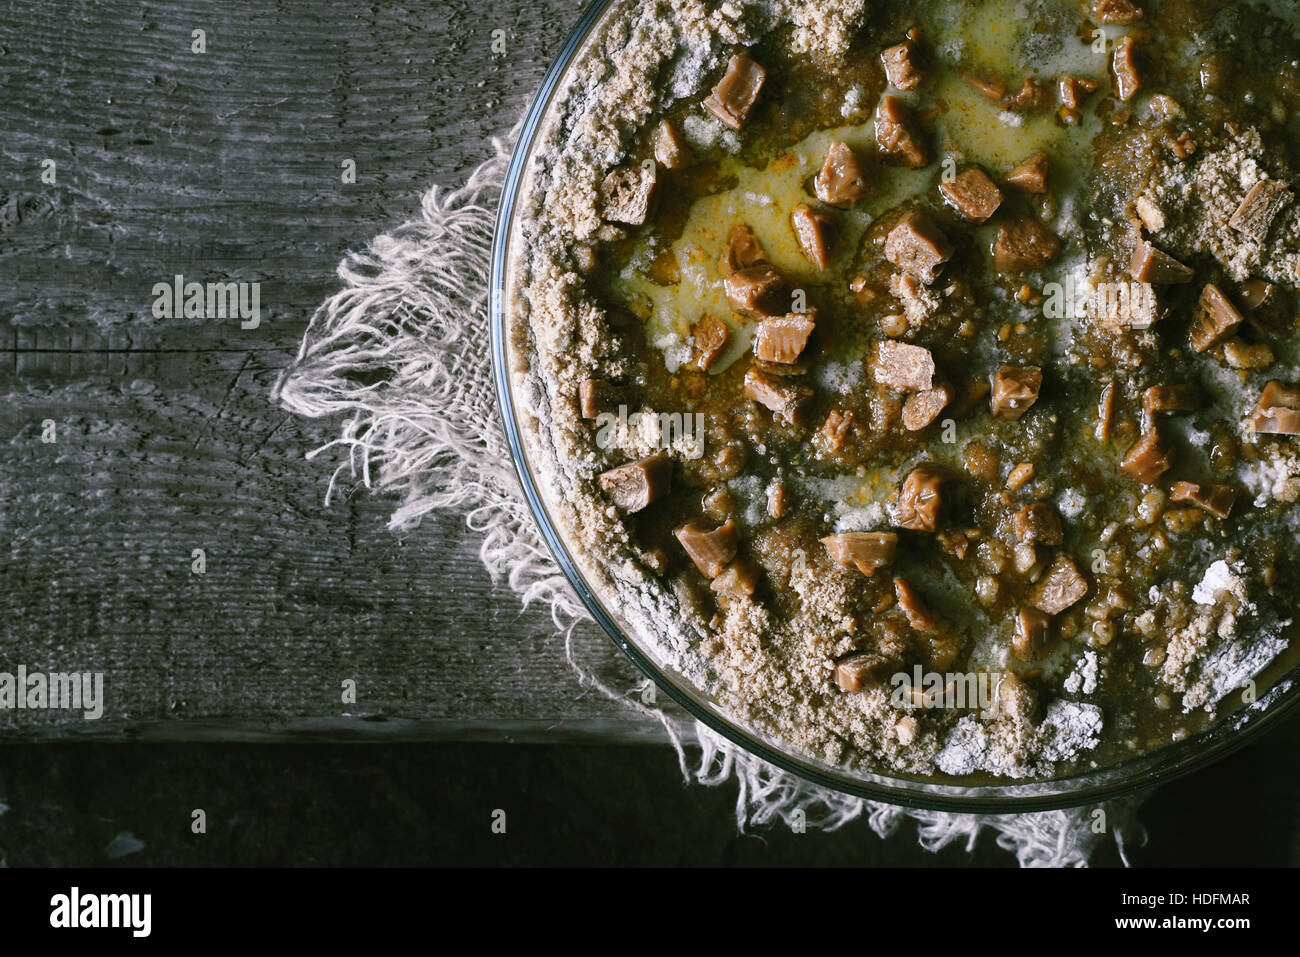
{"x": 227, "y": 166}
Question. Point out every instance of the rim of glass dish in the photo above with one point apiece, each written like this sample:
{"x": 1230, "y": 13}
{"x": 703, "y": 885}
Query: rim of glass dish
{"x": 1229, "y": 732}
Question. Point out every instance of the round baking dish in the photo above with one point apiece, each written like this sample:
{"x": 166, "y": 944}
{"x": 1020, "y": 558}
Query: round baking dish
{"x": 1229, "y": 733}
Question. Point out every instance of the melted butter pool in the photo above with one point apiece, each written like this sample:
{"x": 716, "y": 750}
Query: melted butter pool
{"x": 1002, "y": 37}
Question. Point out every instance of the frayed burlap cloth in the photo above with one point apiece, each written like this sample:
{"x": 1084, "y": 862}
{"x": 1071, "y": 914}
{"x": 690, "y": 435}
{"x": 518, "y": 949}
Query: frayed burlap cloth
{"x": 400, "y": 355}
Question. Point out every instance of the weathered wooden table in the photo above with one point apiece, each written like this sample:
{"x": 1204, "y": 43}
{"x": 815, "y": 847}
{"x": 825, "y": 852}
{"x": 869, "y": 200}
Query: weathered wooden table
{"x": 127, "y": 158}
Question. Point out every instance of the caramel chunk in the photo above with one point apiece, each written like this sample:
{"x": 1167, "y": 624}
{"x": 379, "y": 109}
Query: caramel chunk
{"x": 1031, "y": 175}
{"x": 1060, "y": 587}
{"x": 1243, "y": 355}
{"x": 596, "y": 396}
{"x": 1014, "y": 695}
{"x": 633, "y": 486}
{"x": 1166, "y": 106}
{"x": 1029, "y": 98}
{"x": 842, "y": 181}
{"x": 865, "y": 551}
{"x": 1125, "y": 68}
{"x": 1022, "y": 473}
{"x": 785, "y": 399}
{"x": 989, "y": 87}
{"x": 709, "y": 337}
{"x": 778, "y": 500}
{"x": 782, "y": 340}
{"x": 1023, "y": 243}
{"x": 1254, "y": 217}
{"x": 1149, "y": 457}
{"x": 1105, "y": 411}
{"x": 758, "y": 291}
{"x": 919, "y": 615}
{"x": 627, "y": 194}
{"x": 671, "y": 149}
{"x": 1278, "y": 412}
{"x": 742, "y": 251}
{"x": 897, "y": 134}
{"x": 737, "y": 91}
{"x": 1015, "y": 390}
{"x": 1038, "y": 524}
{"x": 814, "y": 229}
{"x": 973, "y": 195}
{"x": 1031, "y": 640}
{"x": 920, "y": 503}
{"x": 1123, "y": 12}
{"x": 709, "y": 548}
{"x": 718, "y": 503}
{"x": 738, "y": 580}
{"x": 904, "y": 367}
{"x": 1159, "y": 268}
{"x": 1216, "y": 319}
{"x": 918, "y": 248}
{"x": 1152, "y": 216}
{"x": 954, "y": 541}
{"x": 834, "y": 431}
{"x": 922, "y": 408}
{"x": 1182, "y": 145}
{"x": 1257, "y": 294}
{"x": 903, "y": 64}
{"x": 1073, "y": 90}
{"x": 860, "y": 671}
{"x": 1215, "y": 498}
{"x": 1171, "y": 398}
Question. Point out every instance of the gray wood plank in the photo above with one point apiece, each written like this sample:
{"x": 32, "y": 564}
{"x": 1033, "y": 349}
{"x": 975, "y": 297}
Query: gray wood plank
{"x": 226, "y": 166}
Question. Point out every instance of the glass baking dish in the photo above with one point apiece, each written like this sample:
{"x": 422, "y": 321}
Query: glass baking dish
{"x": 984, "y": 796}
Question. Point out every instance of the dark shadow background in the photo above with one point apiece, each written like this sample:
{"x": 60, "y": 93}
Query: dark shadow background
{"x": 432, "y": 804}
